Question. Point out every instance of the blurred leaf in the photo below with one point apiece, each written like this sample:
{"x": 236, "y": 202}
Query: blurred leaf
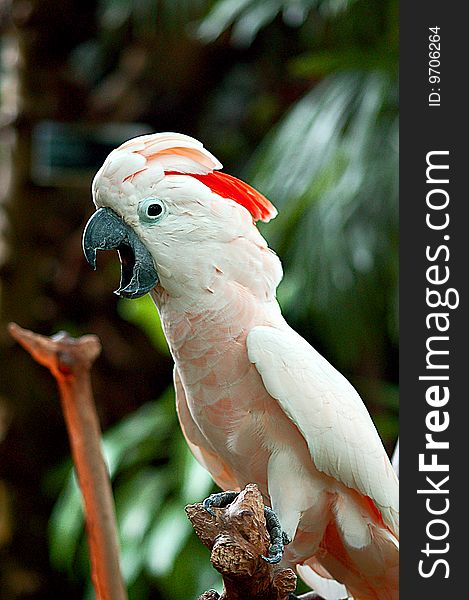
{"x": 196, "y": 483}
{"x": 248, "y": 17}
{"x": 383, "y": 403}
{"x": 135, "y": 514}
{"x": 140, "y": 436}
{"x": 390, "y": 395}
{"x": 388, "y": 428}
{"x": 167, "y": 539}
{"x": 66, "y": 526}
{"x": 222, "y": 15}
{"x": 323, "y": 63}
{"x": 142, "y": 313}
{"x": 255, "y": 17}
{"x": 192, "y": 574}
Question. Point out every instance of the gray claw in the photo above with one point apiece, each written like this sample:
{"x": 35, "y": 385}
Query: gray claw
{"x": 208, "y": 507}
{"x": 275, "y": 554}
{"x": 220, "y": 500}
{"x": 278, "y": 538}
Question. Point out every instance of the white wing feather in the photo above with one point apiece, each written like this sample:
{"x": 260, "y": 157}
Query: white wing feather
{"x": 330, "y": 414}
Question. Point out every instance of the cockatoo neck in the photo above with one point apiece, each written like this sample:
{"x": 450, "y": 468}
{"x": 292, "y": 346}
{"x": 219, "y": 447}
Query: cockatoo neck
{"x": 237, "y": 284}
{"x": 245, "y": 264}
{"x": 209, "y": 313}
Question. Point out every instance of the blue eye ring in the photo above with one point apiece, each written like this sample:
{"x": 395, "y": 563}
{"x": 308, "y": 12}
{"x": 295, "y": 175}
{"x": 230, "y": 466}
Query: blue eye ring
{"x": 151, "y": 210}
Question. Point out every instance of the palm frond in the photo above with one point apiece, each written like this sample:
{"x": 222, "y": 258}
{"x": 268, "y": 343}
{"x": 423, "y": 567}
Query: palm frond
{"x": 248, "y": 17}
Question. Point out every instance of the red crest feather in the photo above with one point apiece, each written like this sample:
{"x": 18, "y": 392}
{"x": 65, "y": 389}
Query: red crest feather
{"x": 230, "y": 187}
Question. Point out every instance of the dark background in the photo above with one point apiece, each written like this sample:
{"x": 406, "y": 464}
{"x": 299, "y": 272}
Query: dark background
{"x": 298, "y": 97}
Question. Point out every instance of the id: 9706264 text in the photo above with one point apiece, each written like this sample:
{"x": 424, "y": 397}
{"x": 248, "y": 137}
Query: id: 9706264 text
{"x": 434, "y": 63}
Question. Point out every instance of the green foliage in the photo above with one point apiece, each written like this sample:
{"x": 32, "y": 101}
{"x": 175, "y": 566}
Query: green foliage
{"x": 248, "y": 17}
{"x": 322, "y": 63}
{"x": 142, "y": 312}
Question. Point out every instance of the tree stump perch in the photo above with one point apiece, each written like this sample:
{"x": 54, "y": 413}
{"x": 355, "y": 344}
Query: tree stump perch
{"x": 237, "y": 537}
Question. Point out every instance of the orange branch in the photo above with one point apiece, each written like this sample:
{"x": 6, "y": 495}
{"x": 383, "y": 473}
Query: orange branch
{"x": 70, "y": 360}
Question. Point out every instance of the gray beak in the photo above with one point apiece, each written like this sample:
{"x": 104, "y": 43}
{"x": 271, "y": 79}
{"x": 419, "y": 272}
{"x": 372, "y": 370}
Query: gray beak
{"x": 107, "y": 231}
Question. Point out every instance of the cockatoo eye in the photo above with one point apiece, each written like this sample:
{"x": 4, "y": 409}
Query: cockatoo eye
{"x": 150, "y": 210}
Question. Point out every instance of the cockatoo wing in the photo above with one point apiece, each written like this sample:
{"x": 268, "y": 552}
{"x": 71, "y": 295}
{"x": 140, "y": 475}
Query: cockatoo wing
{"x": 329, "y": 413}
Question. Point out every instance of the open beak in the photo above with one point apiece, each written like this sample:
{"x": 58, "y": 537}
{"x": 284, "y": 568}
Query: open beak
{"x": 107, "y": 231}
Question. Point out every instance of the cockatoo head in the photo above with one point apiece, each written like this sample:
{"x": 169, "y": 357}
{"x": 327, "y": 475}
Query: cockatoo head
{"x": 173, "y": 218}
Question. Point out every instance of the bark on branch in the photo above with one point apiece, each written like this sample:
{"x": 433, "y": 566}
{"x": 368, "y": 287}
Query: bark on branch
{"x": 70, "y": 361}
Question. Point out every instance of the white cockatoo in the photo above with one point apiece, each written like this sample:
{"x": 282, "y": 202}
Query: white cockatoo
{"x": 256, "y": 403}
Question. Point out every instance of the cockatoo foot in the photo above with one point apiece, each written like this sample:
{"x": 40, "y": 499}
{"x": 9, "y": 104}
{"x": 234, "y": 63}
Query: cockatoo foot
{"x": 278, "y": 538}
{"x": 220, "y": 500}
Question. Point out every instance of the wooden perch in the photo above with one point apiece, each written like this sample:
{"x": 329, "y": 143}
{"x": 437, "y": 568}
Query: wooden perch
{"x": 237, "y": 537}
{"x": 70, "y": 361}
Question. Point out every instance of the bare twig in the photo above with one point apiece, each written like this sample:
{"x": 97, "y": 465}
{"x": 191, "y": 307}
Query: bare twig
{"x": 70, "y": 361}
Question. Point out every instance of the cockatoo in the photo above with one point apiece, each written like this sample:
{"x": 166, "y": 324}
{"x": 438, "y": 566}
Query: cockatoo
{"x": 256, "y": 403}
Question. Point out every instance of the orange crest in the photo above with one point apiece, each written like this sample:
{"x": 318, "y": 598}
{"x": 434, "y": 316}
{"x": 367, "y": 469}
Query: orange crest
{"x": 230, "y": 187}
